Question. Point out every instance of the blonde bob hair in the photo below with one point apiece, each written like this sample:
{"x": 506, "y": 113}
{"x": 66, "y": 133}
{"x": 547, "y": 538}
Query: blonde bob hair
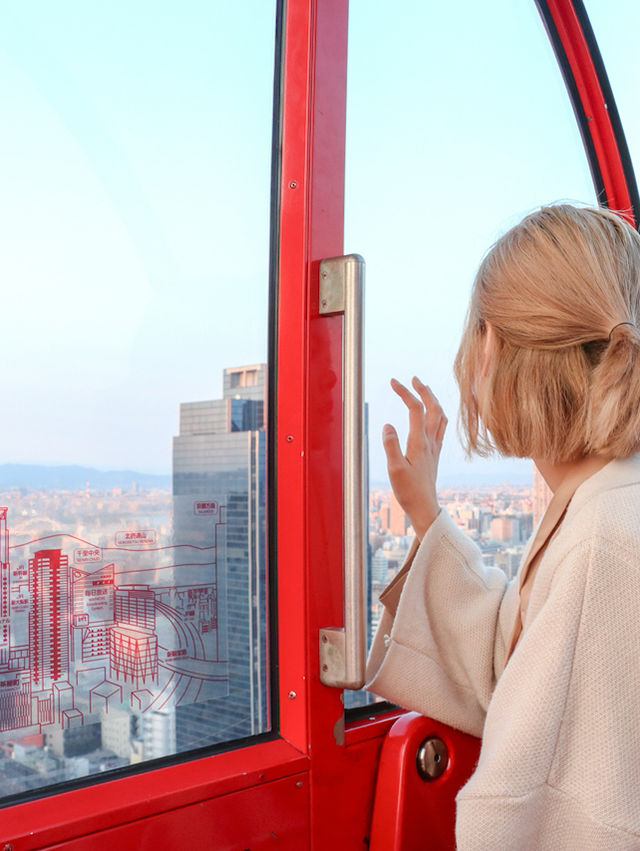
{"x": 562, "y": 379}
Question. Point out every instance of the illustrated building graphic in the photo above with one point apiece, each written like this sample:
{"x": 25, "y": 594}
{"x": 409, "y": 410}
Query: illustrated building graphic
{"x": 220, "y": 455}
{"x": 15, "y": 700}
{"x": 5, "y": 624}
{"x": 135, "y": 606}
{"x": 93, "y": 604}
{"x": 48, "y": 618}
{"x": 133, "y": 655}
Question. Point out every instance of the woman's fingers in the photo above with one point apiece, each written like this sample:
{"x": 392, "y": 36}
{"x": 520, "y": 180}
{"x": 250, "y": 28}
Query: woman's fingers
{"x": 441, "y": 430}
{"x": 426, "y": 417}
{"x": 413, "y": 474}
{"x": 391, "y": 446}
{"x": 413, "y": 404}
{"x": 435, "y": 421}
{"x": 415, "y": 438}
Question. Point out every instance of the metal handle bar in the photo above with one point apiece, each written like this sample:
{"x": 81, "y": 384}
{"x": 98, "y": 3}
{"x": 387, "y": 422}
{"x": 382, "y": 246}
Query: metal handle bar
{"x": 343, "y": 650}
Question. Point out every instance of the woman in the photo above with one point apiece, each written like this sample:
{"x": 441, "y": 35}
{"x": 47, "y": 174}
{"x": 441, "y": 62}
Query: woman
{"x": 545, "y": 668}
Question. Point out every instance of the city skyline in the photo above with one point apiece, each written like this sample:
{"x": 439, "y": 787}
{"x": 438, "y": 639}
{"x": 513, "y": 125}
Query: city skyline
{"x": 134, "y": 620}
{"x": 102, "y": 598}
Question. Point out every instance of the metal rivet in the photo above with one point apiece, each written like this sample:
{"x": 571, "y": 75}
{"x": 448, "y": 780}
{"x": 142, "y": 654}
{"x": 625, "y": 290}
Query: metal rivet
{"x": 432, "y": 758}
{"x": 292, "y": 695}
{"x": 293, "y": 184}
{"x": 289, "y": 438}
{"x": 299, "y": 784}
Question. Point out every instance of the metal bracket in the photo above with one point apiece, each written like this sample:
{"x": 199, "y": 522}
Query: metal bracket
{"x": 332, "y": 286}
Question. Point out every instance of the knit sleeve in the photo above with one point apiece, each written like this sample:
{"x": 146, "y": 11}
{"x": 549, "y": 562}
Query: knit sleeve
{"x": 438, "y": 654}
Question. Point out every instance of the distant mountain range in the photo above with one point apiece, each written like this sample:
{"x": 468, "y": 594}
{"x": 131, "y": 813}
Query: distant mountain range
{"x": 477, "y": 479}
{"x": 511, "y": 477}
{"x": 73, "y": 477}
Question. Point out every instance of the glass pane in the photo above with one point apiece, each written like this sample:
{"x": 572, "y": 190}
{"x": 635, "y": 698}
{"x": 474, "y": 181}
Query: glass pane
{"x": 135, "y": 166}
{"x": 463, "y": 128}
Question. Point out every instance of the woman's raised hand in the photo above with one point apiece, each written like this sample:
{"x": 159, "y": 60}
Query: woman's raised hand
{"x": 413, "y": 474}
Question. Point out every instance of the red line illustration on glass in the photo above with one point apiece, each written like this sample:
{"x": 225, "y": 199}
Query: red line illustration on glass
{"x": 139, "y": 632}
{"x": 132, "y": 613}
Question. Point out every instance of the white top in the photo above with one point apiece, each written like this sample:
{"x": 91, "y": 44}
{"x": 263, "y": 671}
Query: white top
{"x": 560, "y": 761}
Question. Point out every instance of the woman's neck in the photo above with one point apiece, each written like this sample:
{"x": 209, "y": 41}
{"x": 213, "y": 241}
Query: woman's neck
{"x": 554, "y": 472}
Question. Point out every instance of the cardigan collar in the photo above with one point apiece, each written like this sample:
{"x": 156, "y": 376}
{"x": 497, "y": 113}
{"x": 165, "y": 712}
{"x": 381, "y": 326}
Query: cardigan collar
{"x": 617, "y": 473}
{"x": 593, "y": 476}
{"x": 621, "y": 472}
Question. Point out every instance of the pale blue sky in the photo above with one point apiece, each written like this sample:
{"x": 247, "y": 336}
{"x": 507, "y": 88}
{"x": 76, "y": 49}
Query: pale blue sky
{"x": 458, "y": 124}
{"x": 134, "y": 164}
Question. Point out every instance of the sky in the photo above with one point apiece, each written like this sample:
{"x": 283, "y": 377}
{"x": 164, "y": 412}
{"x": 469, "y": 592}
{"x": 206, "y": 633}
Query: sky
{"x": 134, "y": 164}
{"x": 458, "y": 124}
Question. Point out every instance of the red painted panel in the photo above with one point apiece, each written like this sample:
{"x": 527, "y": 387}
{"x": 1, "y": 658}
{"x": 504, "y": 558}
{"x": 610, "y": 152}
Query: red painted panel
{"x": 271, "y": 816}
{"x": 410, "y": 813}
{"x": 310, "y": 428}
{"x": 341, "y": 776}
{"x": 373, "y": 727}
{"x": 310, "y": 423}
{"x": 291, "y": 374}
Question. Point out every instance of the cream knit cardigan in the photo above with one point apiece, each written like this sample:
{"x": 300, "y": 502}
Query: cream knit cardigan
{"x": 560, "y": 761}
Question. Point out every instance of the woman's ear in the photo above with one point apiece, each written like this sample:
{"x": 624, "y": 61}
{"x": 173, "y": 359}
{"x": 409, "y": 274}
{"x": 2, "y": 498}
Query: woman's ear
{"x": 488, "y": 347}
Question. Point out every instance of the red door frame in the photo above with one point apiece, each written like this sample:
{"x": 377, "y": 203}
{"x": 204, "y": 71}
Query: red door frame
{"x": 343, "y": 763}
{"x": 338, "y": 765}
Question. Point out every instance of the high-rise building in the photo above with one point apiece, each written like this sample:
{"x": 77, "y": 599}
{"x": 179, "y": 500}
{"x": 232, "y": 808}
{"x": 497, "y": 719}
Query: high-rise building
{"x": 219, "y": 458}
{"x": 505, "y": 527}
{"x": 398, "y": 522}
{"x": 158, "y": 733}
{"x": 49, "y": 618}
{"x": 118, "y": 730}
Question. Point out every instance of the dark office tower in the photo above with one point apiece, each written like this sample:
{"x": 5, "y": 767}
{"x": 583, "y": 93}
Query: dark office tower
{"x": 48, "y": 618}
{"x": 219, "y": 460}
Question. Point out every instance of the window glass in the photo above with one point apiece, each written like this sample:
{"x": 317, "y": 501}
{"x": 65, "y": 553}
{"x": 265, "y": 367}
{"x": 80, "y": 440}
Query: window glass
{"x": 458, "y": 123}
{"x": 135, "y": 171}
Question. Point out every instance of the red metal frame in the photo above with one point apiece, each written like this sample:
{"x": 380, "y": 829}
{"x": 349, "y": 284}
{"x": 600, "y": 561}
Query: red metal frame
{"x": 594, "y": 103}
{"x": 343, "y": 763}
{"x": 291, "y": 373}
